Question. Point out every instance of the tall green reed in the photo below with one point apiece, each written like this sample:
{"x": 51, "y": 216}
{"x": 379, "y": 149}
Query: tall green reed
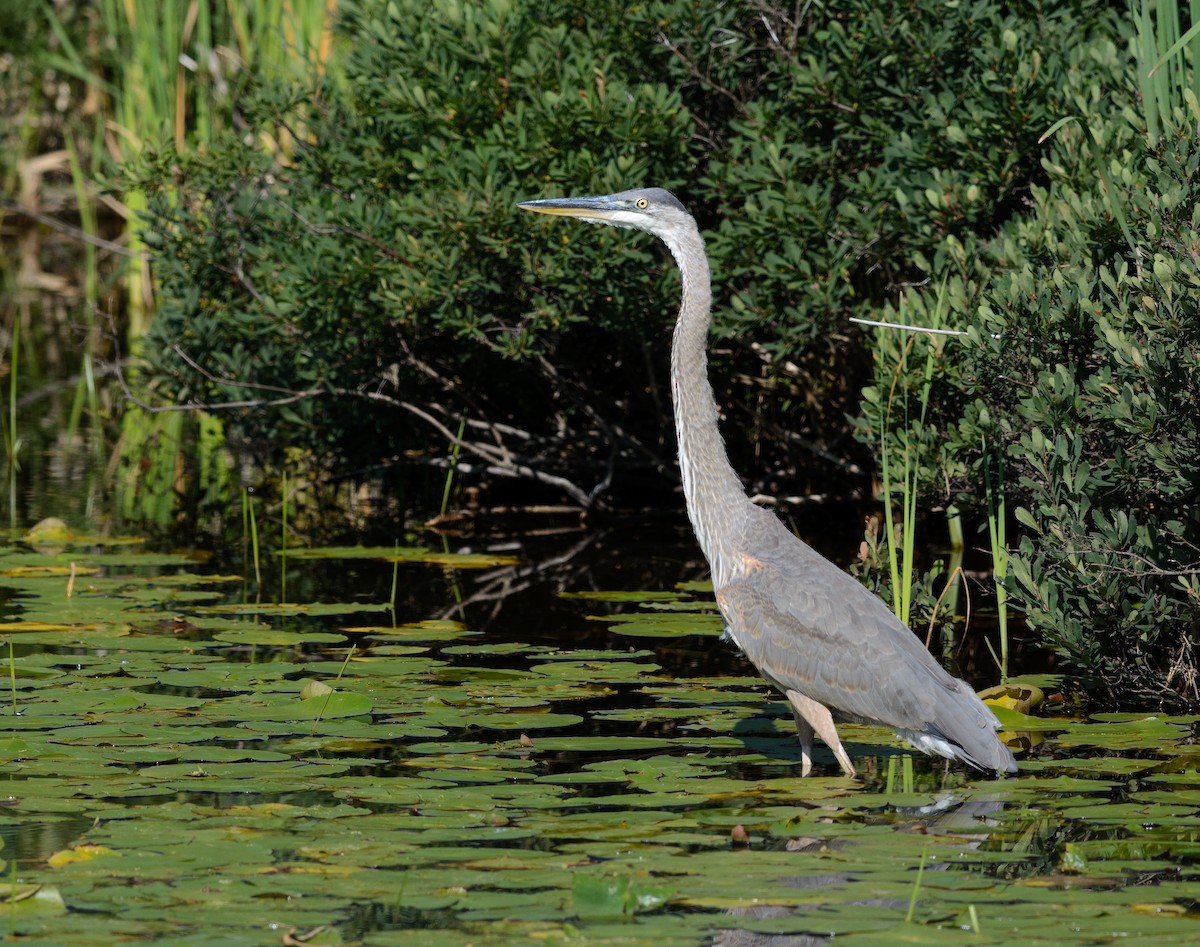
{"x": 12, "y": 439}
{"x": 250, "y": 535}
{"x": 956, "y": 582}
{"x": 446, "y": 487}
{"x": 283, "y": 540}
{"x": 997, "y": 515}
{"x": 12, "y": 899}
{"x": 12, "y": 675}
{"x": 916, "y": 891}
{"x": 395, "y": 581}
{"x": 87, "y": 395}
{"x": 899, "y": 475}
{"x": 170, "y": 85}
{"x": 904, "y": 446}
{"x": 1167, "y": 61}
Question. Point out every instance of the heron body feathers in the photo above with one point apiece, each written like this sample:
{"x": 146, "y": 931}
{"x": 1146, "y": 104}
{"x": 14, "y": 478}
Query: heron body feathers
{"x": 811, "y": 628}
{"x": 812, "y": 631}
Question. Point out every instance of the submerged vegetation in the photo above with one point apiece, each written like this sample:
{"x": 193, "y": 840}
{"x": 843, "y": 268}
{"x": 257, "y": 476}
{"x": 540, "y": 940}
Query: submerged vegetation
{"x": 190, "y": 761}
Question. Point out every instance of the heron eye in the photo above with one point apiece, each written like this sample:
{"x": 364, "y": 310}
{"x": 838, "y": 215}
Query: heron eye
{"x": 642, "y": 203}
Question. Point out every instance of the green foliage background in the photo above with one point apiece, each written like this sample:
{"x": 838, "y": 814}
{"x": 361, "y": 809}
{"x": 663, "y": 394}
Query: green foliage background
{"x": 827, "y": 159}
{"x": 362, "y": 292}
{"x": 1081, "y": 367}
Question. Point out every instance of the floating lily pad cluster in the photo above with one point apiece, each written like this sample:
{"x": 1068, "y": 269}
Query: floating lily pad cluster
{"x": 185, "y": 767}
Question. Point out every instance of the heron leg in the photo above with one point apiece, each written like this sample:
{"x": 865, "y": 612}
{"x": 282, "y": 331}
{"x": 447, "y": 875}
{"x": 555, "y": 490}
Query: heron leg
{"x": 813, "y": 717}
{"x": 805, "y": 732}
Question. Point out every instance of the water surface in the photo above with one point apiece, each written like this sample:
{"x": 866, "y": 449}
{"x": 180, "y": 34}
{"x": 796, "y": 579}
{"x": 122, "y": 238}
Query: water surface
{"x": 513, "y": 740}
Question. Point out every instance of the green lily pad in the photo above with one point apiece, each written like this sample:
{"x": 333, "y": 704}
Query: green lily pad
{"x": 325, "y": 707}
{"x": 208, "y": 766}
{"x": 410, "y": 554}
{"x": 663, "y": 624}
{"x": 276, "y": 637}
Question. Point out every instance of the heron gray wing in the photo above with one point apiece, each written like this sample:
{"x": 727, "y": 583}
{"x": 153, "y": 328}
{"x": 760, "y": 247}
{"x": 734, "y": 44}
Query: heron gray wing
{"x": 810, "y": 627}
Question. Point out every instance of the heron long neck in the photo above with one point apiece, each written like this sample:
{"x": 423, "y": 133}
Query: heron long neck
{"x": 715, "y": 498}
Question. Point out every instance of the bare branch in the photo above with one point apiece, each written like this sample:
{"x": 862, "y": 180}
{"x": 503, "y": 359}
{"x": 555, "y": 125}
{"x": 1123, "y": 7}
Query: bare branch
{"x": 498, "y": 459}
{"x": 71, "y": 231}
{"x": 331, "y": 229}
{"x": 699, "y": 76}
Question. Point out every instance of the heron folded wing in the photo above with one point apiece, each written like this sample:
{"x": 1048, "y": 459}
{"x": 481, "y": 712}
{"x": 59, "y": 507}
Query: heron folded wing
{"x": 828, "y": 650}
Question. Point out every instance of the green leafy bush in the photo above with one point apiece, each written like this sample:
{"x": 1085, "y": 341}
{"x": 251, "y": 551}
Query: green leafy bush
{"x": 864, "y": 137}
{"x": 361, "y": 294}
{"x": 1082, "y": 365}
{"x": 1102, "y": 385}
{"x": 369, "y": 289}
{"x": 384, "y": 266}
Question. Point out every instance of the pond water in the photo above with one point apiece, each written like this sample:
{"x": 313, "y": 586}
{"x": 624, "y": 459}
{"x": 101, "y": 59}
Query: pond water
{"x": 518, "y": 740}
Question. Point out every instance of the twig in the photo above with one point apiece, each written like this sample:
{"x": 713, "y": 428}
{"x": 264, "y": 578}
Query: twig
{"x": 698, "y": 75}
{"x": 499, "y": 460}
{"x": 63, "y": 384}
{"x": 906, "y": 328}
{"x": 71, "y": 231}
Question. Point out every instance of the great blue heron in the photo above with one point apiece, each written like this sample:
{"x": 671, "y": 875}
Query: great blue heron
{"x": 815, "y": 633}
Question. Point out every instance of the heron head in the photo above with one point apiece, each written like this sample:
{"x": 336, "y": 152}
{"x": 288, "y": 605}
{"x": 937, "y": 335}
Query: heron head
{"x": 652, "y": 209}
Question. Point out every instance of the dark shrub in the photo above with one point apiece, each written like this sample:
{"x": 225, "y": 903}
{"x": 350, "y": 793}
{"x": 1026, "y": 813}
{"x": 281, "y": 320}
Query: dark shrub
{"x": 367, "y": 289}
